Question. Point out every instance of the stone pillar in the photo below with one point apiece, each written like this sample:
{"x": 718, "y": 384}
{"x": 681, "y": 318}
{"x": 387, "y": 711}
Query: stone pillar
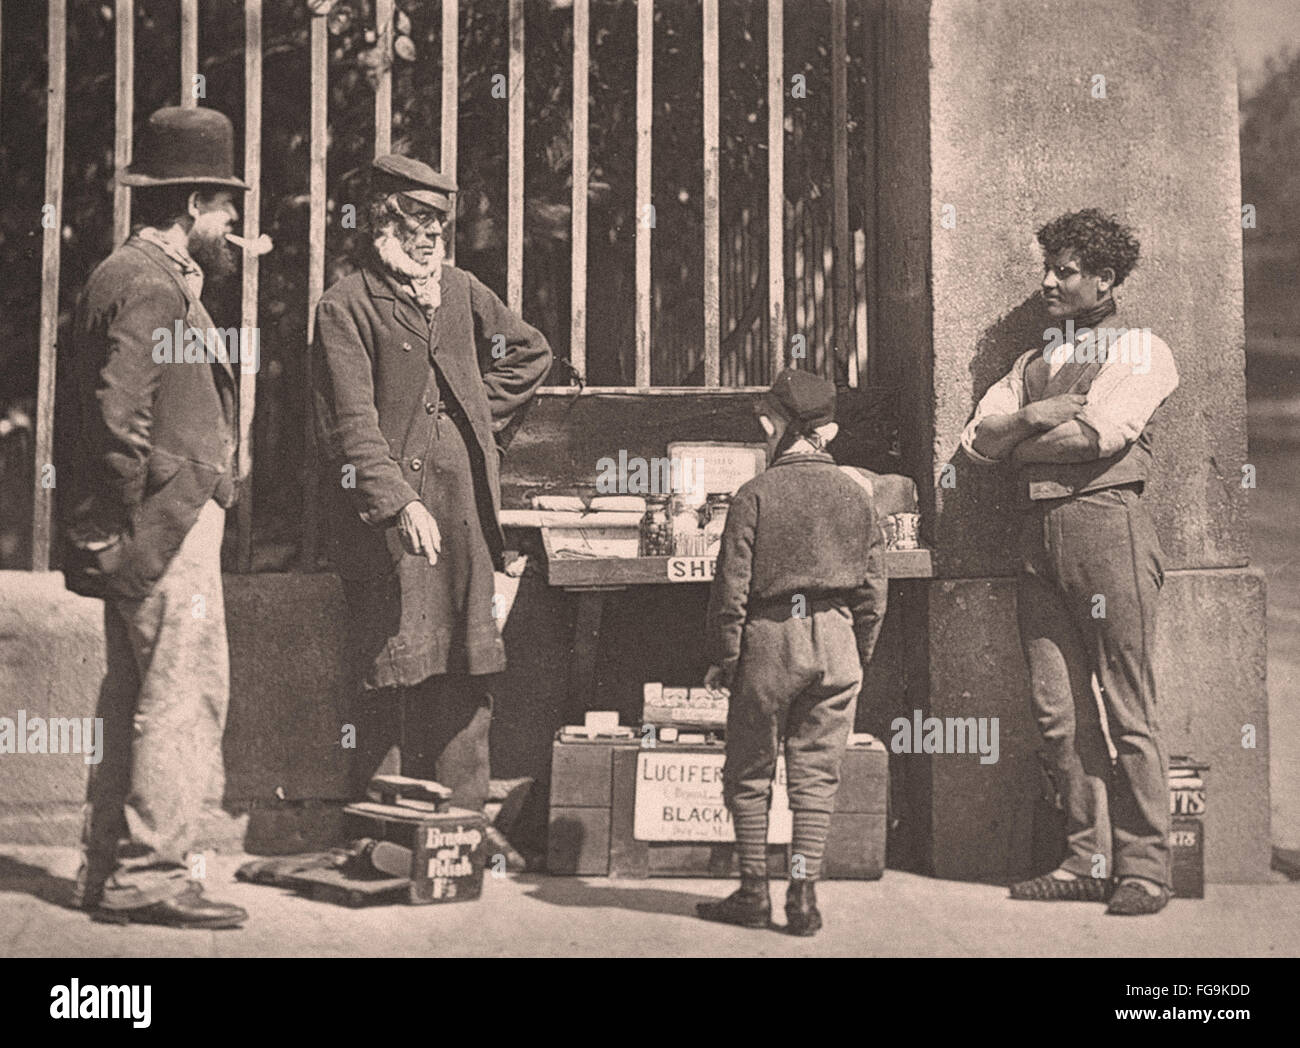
{"x": 994, "y": 117}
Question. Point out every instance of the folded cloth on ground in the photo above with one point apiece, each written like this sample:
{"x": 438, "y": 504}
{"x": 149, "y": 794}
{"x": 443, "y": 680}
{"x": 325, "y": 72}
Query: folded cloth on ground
{"x": 355, "y": 858}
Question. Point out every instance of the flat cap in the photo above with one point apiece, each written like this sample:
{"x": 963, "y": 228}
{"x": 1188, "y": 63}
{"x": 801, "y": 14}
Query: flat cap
{"x": 410, "y": 177}
{"x": 807, "y": 400}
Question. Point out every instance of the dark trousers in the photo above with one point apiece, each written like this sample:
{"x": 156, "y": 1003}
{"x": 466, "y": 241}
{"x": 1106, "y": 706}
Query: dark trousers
{"x": 1090, "y": 576}
{"x": 798, "y": 677}
{"x": 437, "y": 729}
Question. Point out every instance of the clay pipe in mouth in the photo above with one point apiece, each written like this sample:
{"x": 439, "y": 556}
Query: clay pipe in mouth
{"x": 260, "y": 246}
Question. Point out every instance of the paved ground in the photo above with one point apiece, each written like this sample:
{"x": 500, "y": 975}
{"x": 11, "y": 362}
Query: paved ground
{"x": 533, "y": 915}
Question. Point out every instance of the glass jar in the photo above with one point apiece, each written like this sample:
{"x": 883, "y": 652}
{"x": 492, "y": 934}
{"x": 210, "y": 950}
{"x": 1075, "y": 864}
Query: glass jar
{"x": 656, "y": 532}
{"x": 716, "y": 520}
{"x": 688, "y": 539}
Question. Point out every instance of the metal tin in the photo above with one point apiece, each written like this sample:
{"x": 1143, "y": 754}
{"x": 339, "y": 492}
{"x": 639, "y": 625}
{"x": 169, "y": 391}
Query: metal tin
{"x": 1187, "y": 806}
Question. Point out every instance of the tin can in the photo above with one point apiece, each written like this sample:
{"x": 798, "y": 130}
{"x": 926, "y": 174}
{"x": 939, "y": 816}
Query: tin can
{"x": 1186, "y": 828}
{"x": 902, "y": 530}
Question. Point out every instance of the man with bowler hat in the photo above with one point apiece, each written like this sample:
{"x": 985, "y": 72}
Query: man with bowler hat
{"x": 418, "y": 368}
{"x": 154, "y": 473}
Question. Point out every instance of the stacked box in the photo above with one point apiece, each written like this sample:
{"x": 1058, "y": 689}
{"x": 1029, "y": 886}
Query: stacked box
{"x": 692, "y": 709}
{"x": 855, "y": 846}
{"x": 593, "y": 816}
{"x": 582, "y": 791}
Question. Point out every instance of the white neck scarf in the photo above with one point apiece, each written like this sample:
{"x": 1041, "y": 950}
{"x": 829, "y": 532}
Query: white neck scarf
{"x": 190, "y": 271}
{"x": 423, "y": 281}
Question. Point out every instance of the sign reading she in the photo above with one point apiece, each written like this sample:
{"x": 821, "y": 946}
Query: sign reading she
{"x": 691, "y": 569}
{"x": 679, "y": 798}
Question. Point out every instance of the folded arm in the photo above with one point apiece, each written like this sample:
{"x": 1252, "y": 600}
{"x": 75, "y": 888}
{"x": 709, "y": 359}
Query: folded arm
{"x": 999, "y": 423}
{"x": 1072, "y": 441}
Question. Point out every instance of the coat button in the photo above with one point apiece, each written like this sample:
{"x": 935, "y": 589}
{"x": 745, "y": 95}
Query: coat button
{"x": 416, "y": 463}
{"x": 430, "y": 407}
{"x": 406, "y": 346}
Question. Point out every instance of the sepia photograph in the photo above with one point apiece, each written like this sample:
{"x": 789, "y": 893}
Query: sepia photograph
{"x": 651, "y": 479}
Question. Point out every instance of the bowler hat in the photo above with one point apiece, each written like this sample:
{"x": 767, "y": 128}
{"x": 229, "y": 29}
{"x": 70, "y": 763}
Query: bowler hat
{"x": 807, "y": 400}
{"x": 393, "y": 173}
{"x": 184, "y": 146}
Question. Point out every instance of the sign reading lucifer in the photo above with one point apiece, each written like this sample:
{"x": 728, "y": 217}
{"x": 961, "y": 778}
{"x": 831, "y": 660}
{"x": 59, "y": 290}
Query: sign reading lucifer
{"x": 679, "y": 798}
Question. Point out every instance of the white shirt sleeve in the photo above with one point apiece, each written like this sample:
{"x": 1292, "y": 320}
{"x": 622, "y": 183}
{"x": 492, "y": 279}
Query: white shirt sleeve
{"x": 1128, "y": 389}
{"x": 1003, "y": 398}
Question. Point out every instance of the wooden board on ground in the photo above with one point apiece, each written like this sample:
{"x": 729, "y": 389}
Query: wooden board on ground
{"x": 336, "y": 886}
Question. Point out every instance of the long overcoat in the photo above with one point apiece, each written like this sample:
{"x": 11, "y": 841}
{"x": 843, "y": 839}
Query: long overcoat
{"x": 384, "y": 379}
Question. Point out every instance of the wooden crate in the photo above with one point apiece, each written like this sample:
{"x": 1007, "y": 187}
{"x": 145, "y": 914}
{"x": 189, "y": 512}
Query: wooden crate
{"x": 592, "y": 821}
{"x": 448, "y": 848}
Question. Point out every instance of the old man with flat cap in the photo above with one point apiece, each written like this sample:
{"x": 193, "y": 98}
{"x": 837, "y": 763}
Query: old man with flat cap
{"x": 153, "y": 476}
{"x": 418, "y": 367}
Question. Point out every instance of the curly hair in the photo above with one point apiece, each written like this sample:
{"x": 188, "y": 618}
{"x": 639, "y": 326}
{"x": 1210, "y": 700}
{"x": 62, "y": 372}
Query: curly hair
{"x": 1098, "y": 239}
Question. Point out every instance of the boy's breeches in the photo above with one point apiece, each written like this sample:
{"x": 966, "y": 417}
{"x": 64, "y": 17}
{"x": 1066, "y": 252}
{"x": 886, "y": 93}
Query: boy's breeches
{"x": 798, "y": 677}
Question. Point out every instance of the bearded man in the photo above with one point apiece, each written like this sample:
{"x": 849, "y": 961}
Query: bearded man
{"x": 417, "y": 368}
{"x": 153, "y": 477}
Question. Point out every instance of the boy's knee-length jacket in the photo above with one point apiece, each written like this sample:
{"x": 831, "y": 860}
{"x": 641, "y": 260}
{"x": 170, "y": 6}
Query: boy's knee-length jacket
{"x": 376, "y": 400}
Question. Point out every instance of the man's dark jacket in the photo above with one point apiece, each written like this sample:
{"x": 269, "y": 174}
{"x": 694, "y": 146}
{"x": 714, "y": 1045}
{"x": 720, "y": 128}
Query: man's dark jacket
{"x": 371, "y": 373}
{"x": 156, "y": 440}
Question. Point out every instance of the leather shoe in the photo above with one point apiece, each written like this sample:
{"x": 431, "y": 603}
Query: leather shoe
{"x": 1054, "y": 889}
{"x": 749, "y": 906}
{"x": 1132, "y": 900}
{"x": 190, "y": 909}
{"x": 801, "y": 913}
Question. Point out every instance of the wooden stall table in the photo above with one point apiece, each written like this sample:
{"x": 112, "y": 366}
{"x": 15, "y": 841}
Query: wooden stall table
{"x": 590, "y": 578}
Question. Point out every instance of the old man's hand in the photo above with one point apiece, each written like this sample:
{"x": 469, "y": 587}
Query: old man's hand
{"x": 419, "y": 532}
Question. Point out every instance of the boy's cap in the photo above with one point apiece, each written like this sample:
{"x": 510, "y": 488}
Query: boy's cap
{"x": 403, "y": 174}
{"x": 802, "y": 397}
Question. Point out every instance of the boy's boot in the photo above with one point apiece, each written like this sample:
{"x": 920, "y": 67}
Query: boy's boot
{"x": 749, "y": 906}
{"x": 801, "y": 913}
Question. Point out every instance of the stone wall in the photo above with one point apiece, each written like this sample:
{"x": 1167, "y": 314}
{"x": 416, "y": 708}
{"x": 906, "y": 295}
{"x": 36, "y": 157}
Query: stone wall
{"x": 992, "y": 118}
